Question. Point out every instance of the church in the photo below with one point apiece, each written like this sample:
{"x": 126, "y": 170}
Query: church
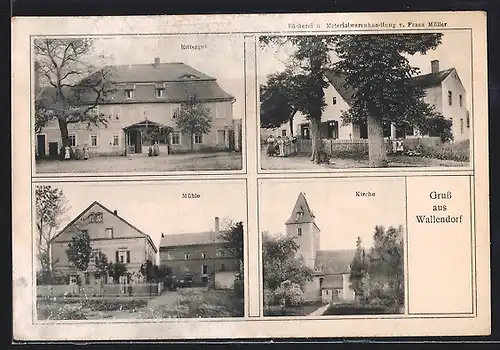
{"x": 331, "y": 267}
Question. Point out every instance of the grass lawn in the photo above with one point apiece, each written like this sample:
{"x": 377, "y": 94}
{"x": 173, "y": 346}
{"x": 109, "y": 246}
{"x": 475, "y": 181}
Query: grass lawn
{"x": 300, "y": 162}
{"x": 358, "y": 309}
{"x": 141, "y": 162}
{"x": 302, "y": 310}
{"x": 183, "y": 303}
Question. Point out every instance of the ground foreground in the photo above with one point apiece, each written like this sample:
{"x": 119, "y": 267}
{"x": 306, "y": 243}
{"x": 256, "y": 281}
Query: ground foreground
{"x": 184, "y": 303}
{"x": 301, "y": 310}
{"x": 303, "y": 163}
{"x": 141, "y": 162}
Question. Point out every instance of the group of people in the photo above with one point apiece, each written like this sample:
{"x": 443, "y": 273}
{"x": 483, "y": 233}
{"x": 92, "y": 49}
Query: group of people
{"x": 154, "y": 150}
{"x": 281, "y": 146}
{"x": 76, "y": 152}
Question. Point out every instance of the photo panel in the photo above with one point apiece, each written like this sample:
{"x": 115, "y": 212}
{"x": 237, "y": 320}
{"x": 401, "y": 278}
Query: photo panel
{"x": 105, "y": 251}
{"x": 331, "y": 102}
{"x": 137, "y": 104}
{"x": 332, "y": 247}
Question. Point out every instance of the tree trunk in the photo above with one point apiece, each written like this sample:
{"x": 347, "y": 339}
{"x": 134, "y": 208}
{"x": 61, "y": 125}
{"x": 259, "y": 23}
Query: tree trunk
{"x": 376, "y": 148}
{"x": 317, "y": 144}
{"x": 192, "y": 141}
{"x": 290, "y": 121}
{"x": 63, "y": 127}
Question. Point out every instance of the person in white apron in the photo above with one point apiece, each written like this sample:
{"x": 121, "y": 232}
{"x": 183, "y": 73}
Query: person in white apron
{"x": 86, "y": 153}
{"x": 281, "y": 145}
{"x": 67, "y": 152}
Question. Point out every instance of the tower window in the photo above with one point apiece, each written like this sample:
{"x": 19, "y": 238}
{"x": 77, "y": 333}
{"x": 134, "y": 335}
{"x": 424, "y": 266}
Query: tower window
{"x": 299, "y": 231}
{"x": 300, "y": 214}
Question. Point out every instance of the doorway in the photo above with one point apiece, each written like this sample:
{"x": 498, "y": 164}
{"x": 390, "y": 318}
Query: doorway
{"x": 135, "y": 140}
{"x": 53, "y": 149}
{"x": 40, "y": 145}
{"x": 221, "y": 137}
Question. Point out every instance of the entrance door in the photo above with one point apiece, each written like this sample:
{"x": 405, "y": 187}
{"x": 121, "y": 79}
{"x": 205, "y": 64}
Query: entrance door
{"x": 53, "y": 149}
{"x": 40, "y": 145}
{"x": 221, "y": 137}
{"x": 135, "y": 140}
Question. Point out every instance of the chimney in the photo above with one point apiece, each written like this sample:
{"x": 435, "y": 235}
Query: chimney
{"x": 115, "y": 212}
{"x": 157, "y": 62}
{"x": 434, "y": 66}
{"x": 217, "y": 228}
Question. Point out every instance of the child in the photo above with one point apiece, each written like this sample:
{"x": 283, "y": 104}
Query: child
{"x": 67, "y": 152}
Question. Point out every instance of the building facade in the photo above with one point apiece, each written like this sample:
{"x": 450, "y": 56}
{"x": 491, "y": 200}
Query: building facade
{"x": 143, "y": 110}
{"x": 198, "y": 255}
{"x": 109, "y": 234}
{"x": 331, "y": 267}
{"x": 444, "y": 90}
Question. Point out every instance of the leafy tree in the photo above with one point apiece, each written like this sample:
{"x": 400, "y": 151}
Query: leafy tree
{"x": 281, "y": 97}
{"x": 151, "y": 272}
{"x": 437, "y": 126}
{"x": 281, "y": 263}
{"x": 310, "y": 57}
{"x": 377, "y": 68}
{"x": 386, "y": 266}
{"x": 50, "y": 205}
{"x": 75, "y": 87}
{"x": 232, "y": 237}
{"x": 79, "y": 250}
{"x": 100, "y": 264}
{"x": 193, "y": 118}
{"x": 358, "y": 269}
{"x": 117, "y": 270}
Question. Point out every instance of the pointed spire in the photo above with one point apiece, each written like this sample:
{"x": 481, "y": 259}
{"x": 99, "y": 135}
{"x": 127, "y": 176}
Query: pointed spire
{"x": 301, "y": 212}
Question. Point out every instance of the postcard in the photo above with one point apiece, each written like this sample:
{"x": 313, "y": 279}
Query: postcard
{"x": 254, "y": 176}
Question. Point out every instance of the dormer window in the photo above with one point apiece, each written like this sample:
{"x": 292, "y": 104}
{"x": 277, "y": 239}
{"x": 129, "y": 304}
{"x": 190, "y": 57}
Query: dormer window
{"x": 334, "y": 100}
{"x": 160, "y": 92}
{"x": 129, "y": 93}
{"x": 189, "y": 76}
{"x": 300, "y": 215}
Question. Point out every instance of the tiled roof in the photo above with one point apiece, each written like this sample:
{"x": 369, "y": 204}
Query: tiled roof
{"x": 337, "y": 80}
{"x": 332, "y": 281}
{"x": 180, "y": 81}
{"x": 186, "y": 239}
{"x": 334, "y": 261}
{"x": 302, "y": 206}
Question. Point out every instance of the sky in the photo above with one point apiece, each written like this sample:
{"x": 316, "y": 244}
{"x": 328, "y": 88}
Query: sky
{"x": 158, "y": 207}
{"x": 340, "y": 215}
{"x": 222, "y": 59}
{"x": 454, "y": 51}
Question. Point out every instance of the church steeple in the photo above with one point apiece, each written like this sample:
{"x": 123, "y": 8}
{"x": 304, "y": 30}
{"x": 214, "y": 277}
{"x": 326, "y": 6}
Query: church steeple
{"x": 302, "y": 227}
{"x": 301, "y": 212}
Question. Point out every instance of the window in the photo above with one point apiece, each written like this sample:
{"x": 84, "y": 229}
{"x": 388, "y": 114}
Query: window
{"x": 450, "y": 98}
{"x": 159, "y": 92}
{"x": 204, "y": 269}
{"x": 109, "y": 232}
{"x": 98, "y": 217}
{"x": 283, "y": 133}
{"x": 116, "y": 140}
{"x": 334, "y": 100}
{"x": 129, "y": 93}
{"x": 94, "y": 140}
{"x": 221, "y": 252}
{"x": 461, "y": 125}
{"x": 72, "y": 140}
{"x": 128, "y": 256}
{"x": 223, "y": 267}
{"x": 203, "y": 255}
{"x": 299, "y": 231}
{"x": 169, "y": 256}
{"x": 326, "y": 292}
{"x": 300, "y": 214}
{"x": 198, "y": 138}
{"x": 186, "y": 256}
{"x": 176, "y": 138}
{"x": 460, "y": 101}
{"x": 123, "y": 256}
{"x": 73, "y": 280}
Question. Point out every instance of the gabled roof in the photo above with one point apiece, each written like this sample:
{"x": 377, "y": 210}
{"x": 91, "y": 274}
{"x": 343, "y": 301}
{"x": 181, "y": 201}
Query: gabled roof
{"x": 338, "y": 81}
{"x": 332, "y": 282}
{"x": 334, "y": 261}
{"x": 189, "y": 239}
{"x": 301, "y": 205}
{"x": 96, "y": 203}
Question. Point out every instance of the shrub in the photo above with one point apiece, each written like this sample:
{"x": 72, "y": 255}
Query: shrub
{"x": 239, "y": 288}
{"x": 457, "y": 151}
{"x": 289, "y": 294}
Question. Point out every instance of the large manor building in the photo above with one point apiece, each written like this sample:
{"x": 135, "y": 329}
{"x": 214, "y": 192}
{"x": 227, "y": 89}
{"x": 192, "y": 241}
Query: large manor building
{"x": 147, "y": 97}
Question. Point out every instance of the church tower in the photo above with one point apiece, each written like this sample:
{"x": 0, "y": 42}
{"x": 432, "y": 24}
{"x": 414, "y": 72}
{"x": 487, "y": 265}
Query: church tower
{"x": 302, "y": 226}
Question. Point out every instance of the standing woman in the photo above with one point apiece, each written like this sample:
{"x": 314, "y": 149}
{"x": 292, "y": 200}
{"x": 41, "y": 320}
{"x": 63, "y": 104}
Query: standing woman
{"x": 86, "y": 153}
{"x": 281, "y": 145}
{"x": 67, "y": 152}
{"x": 270, "y": 145}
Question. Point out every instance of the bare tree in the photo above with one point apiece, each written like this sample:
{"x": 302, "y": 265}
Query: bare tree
{"x": 74, "y": 87}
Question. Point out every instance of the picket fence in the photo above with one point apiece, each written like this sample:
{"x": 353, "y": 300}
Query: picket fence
{"x": 360, "y": 146}
{"x": 138, "y": 289}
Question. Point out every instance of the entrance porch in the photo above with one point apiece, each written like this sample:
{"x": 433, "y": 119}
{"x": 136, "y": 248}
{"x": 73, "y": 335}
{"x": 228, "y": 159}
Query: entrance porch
{"x": 140, "y": 136}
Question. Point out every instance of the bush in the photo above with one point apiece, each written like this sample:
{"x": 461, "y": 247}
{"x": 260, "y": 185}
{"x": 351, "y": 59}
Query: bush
{"x": 289, "y": 294}
{"x": 239, "y": 288}
{"x": 457, "y": 151}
